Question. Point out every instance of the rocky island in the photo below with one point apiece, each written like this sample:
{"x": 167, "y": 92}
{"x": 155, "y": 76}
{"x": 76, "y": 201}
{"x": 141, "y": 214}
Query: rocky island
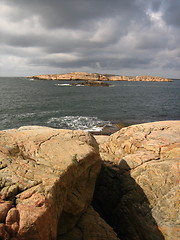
{"x": 98, "y": 77}
{"x": 70, "y": 185}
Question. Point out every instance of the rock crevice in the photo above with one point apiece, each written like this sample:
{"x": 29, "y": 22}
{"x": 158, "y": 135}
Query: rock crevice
{"x": 137, "y": 189}
{"x": 48, "y": 177}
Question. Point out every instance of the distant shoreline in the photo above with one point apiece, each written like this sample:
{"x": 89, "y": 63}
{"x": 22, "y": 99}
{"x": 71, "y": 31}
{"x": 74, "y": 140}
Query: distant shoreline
{"x": 98, "y": 77}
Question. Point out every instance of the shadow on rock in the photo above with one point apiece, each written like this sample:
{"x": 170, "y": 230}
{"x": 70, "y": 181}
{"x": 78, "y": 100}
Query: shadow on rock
{"x": 123, "y": 204}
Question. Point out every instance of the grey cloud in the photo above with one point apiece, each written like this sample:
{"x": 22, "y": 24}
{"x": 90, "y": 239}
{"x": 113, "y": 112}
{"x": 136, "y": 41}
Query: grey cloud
{"x": 58, "y": 42}
{"x": 89, "y": 34}
{"x": 93, "y": 61}
{"x": 20, "y": 40}
{"x": 62, "y": 64}
{"x": 152, "y": 40}
{"x": 73, "y": 14}
{"x": 171, "y": 14}
{"x": 155, "y": 5}
{"x": 174, "y": 64}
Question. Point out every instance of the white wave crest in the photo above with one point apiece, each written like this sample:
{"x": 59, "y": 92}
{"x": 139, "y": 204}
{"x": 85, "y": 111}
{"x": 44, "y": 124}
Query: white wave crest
{"x": 78, "y": 122}
{"x": 63, "y": 84}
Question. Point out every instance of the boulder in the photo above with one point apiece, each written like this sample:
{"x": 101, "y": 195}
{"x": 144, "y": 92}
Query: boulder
{"x": 138, "y": 188}
{"x": 47, "y": 181}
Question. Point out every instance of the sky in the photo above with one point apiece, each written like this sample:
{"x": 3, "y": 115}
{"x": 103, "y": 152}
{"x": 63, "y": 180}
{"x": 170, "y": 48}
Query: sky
{"x": 124, "y": 37}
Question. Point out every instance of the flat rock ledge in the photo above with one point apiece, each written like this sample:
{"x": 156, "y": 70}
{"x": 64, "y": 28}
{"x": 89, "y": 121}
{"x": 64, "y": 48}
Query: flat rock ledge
{"x": 47, "y": 180}
{"x": 137, "y": 191}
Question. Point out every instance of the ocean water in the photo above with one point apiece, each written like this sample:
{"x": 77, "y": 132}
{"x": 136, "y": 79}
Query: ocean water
{"x": 57, "y": 104}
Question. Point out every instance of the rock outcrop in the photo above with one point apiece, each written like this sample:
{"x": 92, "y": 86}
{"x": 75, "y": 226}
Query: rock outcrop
{"x": 138, "y": 188}
{"x": 97, "y": 77}
{"x": 69, "y": 76}
{"x": 47, "y": 181}
{"x": 91, "y": 84}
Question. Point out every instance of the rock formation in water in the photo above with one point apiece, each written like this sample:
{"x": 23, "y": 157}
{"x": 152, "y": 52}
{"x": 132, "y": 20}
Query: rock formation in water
{"x": 138, "y": 188}
{"x": 97, "y": 77}
{"x": 47, "y": 180}
{"x": 91, "y": 84}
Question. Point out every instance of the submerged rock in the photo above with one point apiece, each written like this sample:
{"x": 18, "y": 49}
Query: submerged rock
{"x": 138, "y": 188}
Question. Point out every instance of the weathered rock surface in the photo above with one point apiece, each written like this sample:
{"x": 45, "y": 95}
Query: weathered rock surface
{"x": 139, "y": 78}
{"x": 69, "y": 76}
{"x": 138, "y": 187}
{"x": 98, "y": 77}
{"x": 47, "y": 179}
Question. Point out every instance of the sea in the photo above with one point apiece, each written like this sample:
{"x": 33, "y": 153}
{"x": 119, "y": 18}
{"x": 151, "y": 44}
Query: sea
{"x": 57, "y": 104}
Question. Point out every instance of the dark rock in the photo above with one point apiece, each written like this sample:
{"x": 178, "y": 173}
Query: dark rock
{"x": 122, "y": 203}
{"x": 92, "y": 84}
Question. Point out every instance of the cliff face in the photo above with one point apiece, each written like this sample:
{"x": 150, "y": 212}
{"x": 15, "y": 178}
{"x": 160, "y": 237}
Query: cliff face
{"x": 97, "y": 77}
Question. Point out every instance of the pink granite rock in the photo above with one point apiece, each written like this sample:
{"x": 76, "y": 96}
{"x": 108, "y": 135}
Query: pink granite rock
{"x": 140, "y": 181}
{"x": 47, "y": 181}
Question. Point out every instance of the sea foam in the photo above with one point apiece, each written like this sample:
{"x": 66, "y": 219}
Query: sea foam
{"x": 78, "y": 122}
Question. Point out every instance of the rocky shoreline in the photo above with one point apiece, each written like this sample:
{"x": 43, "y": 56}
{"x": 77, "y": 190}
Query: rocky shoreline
{"x": 68, "y": 184}
{"x": 98, "y": 77}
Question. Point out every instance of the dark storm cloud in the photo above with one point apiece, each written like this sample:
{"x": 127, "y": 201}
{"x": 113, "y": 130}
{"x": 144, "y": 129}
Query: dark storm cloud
{"x": 93, "y": 61}
{"x": 73, "y": 14}
{"x": 91, "y": 35}
{"x": 155, "y": 5}
{"x": 172, "y": 13}
{"x": 20, "y": 40}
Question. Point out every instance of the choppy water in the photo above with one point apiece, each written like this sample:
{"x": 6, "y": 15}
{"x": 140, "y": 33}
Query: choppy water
{"x": 57, "y": 104}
